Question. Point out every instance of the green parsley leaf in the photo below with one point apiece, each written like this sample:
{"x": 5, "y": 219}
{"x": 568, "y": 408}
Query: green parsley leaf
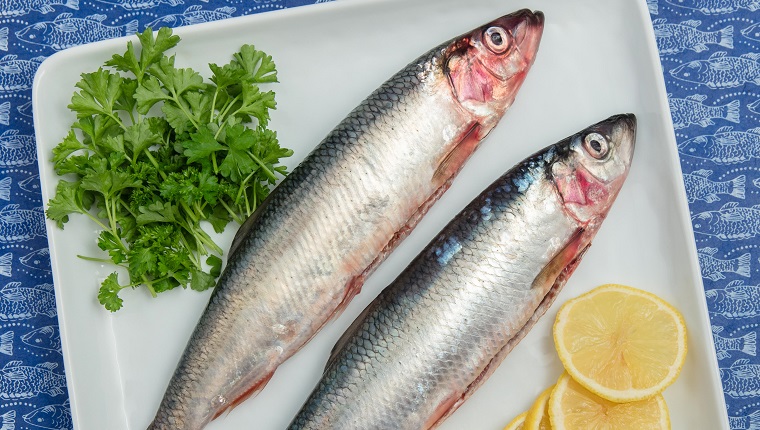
{"x": 108, "y": 295}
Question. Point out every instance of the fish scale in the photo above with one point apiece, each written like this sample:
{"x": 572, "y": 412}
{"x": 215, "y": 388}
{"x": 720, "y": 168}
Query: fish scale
{"x": 306, "y": 251}
{"x": 442, "y": 327}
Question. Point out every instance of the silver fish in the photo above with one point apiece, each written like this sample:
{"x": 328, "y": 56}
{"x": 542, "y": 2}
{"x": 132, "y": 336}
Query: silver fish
{"x": 340, "y": 213}
{"x": 432, "y": 337}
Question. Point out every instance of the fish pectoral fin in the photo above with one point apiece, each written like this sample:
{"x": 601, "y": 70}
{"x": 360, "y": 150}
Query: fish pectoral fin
{"x": 247, "y": 394}
{"x": 454, "y": 160}
{"x": 443, "y": 410}
{"x": 66, "y": 27}
{"x": 15, "y": 375}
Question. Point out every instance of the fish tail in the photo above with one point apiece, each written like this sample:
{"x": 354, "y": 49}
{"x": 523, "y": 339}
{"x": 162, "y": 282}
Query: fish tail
{"x": 4, "y": 39}
{"x": 131, "y": 27}
{"x": 743, "y": 265}
{"x": 8, "y": 420}
{"x": 726, "y": 37}
{"x": 653, "y": 7}
{"x": 6, "y": 261}
{"x": 6, "y": 343}
{"x": 73, "y": 4}
{"x": 750, "y": 344}
{"x": 754, "y": 420}
{"x": 730, "y": 112}
{"x": 5, "y": 186}
{"x": 5, "y": 113}
{"x": 737, "y": 187}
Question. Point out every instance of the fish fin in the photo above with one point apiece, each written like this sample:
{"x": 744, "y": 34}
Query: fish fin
{"x": 12, "y": 143}
{"x": 738, "y": 185}
{"x": 712, "y": 198}
{"x": 663, "y": 31}
{"x": 349, "y": 332}
{"x": 66, "y": 27}
{"x": 716, "y": 276}
{"x": 736, "y": 294}
{"x": 131, "y": 27}
{"x": 6, "y": 343}
{"x": 750, "y": 344}
{"x": 706, "y": 122}
{"x": 6, "y": 264}
{"x": 9, "y": 57}
{"x": 15, "y": 375}
{"x": 12, "y": 364}
{"x": 755, "y": 130}
{"x": 46, "y": 8}
{"x": 48, "y": 366}
{"x": 193, "y": 8}
{"x": 229, "y": 10}
{"x": 696, "y": 97}
{"x": 55, "y": 391}
{"x": 727, "y": 140}
{"x": 52, "y": 312}
{"x": 65, "y": 15}
{"x": 743, "y": 264}
{"x": 653, "y": 7}
{"x": 722, "y": 355}
{"x": 98, "y": 17}
{"x": 247, "y": 228}
{"x": 11, "y": 69}
{"x": 717, "y": 55}
{"x": 4, "y": 39}
{"x": 720, "y": 64}
{"x": 699, "y": 47}
{"x": 705, "y": 173}
{"x": 729, "y": 205}
{"x": 38, "y": 59}
{"x": 454, "y": 160}
{"x": 754, "y": 56}
{"x": 5, "y": 188}
{"x": 741, "y": 362}
{"x": 708, "y": 250}
{"x": 733, "y": 111}
{"x": 659, "y": 21}
{"x": 246, "y": 395}
{"x": 7, "y": 133}
{"x": 13, "y": 295}
{"x": 8, "y": 418}
{"x": 732, "y": 216}
{"x": 175, "y": 2}
{"x": 717, "y": 329}
{"x": 73, "y": 4}
{"x": 736, "y": 283}
{"x": 692, "y": 23}
{"x": 726, "y": 37}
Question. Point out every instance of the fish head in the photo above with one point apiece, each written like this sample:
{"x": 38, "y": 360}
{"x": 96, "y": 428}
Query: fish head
{"x": 487, "y": 66}
{"x": 697, "y": 146}
{"x": 704, "y": 222}
{"x": 752, "y": 32}
{"x": 689, "y": 72}
{"x": 713, "y": 296}
{"x": 592, "y": 166}
{"x": 34, "y": 338}
{"x": 34, "y": 33}
{"x": 42, "y": 417}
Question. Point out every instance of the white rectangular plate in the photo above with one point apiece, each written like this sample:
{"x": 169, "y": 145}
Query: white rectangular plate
{"x": 597, "y": 58}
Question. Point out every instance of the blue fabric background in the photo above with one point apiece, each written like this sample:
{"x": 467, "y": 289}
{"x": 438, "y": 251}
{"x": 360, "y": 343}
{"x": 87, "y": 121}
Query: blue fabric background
{"x": 710, "y": 53}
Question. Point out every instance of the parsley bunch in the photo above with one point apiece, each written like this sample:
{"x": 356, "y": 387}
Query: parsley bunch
{"x": 156, "y": 150}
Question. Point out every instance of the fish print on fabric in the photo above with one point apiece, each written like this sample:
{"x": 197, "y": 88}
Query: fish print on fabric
{"x": 752, "y": 32}
{"x": 745, "y": 422}
{"x": 721, "y": 70}
{"x": 5, "y": 188}
{"x": 17, "y": 74}
{"x": 754, "y": 107}
{"x": 726, "y": 146}
{"x": 18, "y": 381}
{"x": 736, "y": 300}
{"x": 141, "y": 4}
{"x": 17, "y": 149}
{"x": 6, "y": 343}
{"x": 675, "y": 38}
{"x": 714, "y": 268}
{"x": 47, "y": 338}
{"x": 18, "y": 302}
{"x": 5, "y": 113}
{"x": 192, "y": 15}
{"x": 6, "y": 264}
{"x": 713, "y": 7}
{"x": 700, "y": 187}
{"x": 17, "y": 225}
{"x": 38, "y": 260}
{"x": 8, "y": 420}
{"x": 690, "y": 110}
{"x": 53, "y": 417}
{"x": 746, "y": 344}
{"x": 66, "y": 31}
{"x": 30, "y": 184}
{"x": 25, "y": 109}
{"x": 742, "y": 379}
{"x": 23, "y": 7}
{"x": 730, "y": 222}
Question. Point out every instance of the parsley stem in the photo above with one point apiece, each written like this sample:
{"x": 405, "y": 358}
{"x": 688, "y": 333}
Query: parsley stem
{"x": 232, "y": 213}
{"x": 99, "y": 260}
{"x": 263, "y": 166}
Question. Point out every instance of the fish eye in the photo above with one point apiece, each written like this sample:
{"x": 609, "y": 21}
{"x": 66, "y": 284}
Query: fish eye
{"x": 497, "y": 40}
{"x": 596, "y": 145}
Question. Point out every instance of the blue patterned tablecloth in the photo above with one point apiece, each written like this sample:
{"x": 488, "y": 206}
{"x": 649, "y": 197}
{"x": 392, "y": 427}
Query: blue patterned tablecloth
{"x": 710, "y": 53}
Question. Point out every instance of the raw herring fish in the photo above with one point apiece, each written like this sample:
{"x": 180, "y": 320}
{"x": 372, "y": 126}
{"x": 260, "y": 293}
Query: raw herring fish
{"x": 306, "y": 251}
{"x": 423, "y": 346}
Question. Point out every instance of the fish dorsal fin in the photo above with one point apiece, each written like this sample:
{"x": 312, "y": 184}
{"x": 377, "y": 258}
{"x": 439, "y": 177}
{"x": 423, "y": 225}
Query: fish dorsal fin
{"x": 755, "y": 130}
{"x": 229, "y": 10}
{"x": 754, "y": 56}
{"x": 13, "y": 363}
{"x": 717, "y": 329}
{"x": 63, "y": 16}
{"x": 696, "y": 97}
{"x": 10, "y": 286}
{"x": 9, "y": 57}
{"x": 736, "y": 283}
{"x": 729, "y": 205}
{"x": 98, "y": 17}
{"x": 659, "y": 21}
{"x": 718, "y": 55}
{"x": 7, "y": 133}
{"x": 193, "y": 8}
{"x": 703, "y": 173}
{"x": 45, "y": 287}
{"x": 741, "y": 362}
{"x": 724, "y": 129}
{"x": 38, "y": 59}
{"x": 47, "y": 366}
{"x": 692, "y": 23}
{"x": 708, "y": 250}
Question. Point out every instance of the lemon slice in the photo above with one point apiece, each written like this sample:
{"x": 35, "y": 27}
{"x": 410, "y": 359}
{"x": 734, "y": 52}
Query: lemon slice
{"x": 517, "y": 423}
{"x": 621, "y": 343}
{"x": 538, "y": 415}
{"x": 572, "y": 407}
